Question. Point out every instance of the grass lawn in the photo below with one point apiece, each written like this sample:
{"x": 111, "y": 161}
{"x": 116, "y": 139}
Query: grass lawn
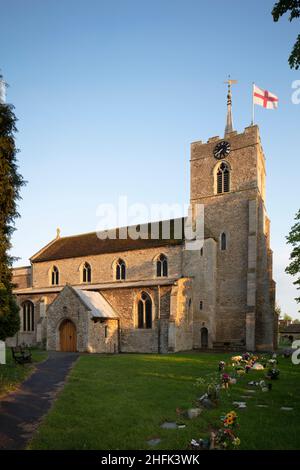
{"x": 119, "y": 402}
{"x": 11, "y": 374}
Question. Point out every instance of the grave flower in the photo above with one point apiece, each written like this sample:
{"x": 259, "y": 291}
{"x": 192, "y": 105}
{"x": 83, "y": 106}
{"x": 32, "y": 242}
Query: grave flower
{"x": 225, "y": 380}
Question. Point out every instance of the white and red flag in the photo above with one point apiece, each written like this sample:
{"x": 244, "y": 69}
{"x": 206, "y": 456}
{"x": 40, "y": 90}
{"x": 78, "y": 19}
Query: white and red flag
{"x": 264, "y": 98}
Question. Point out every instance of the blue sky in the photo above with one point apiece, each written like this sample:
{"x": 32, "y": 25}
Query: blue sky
{"x": 109, "y": 95}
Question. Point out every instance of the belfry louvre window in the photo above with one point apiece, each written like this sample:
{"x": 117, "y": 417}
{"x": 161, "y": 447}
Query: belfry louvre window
{"x": 120, "y": 270}
{"x": 86, "y": 273}
{"x": 162, "y": 266}
{"x": 28, "y": 316}
{"x": 223, "y": 179}
{"x": 144, "y": 311}
{"x": 55, "y": 276}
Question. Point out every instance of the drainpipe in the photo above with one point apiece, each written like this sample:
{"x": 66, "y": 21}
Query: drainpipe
{"x": 119, "y": 336}
{"x": 158, "y": 322}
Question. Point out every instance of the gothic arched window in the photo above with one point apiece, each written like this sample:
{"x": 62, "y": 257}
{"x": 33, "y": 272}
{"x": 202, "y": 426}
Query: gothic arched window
{"x": 162, "y": 266}
{"x": 223, "y": 178}
{"x": 223, "y": 241}
{"x": 28, "y": 316}
{"x": 144, "y": 311}
{"x": 86, "y": 273}
{"x": 120, "y": 270}
{"x": 55, "y": 276}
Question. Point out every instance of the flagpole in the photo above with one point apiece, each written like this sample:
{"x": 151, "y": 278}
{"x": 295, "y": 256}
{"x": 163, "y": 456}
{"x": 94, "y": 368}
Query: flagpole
{"x": 252, "y": 104}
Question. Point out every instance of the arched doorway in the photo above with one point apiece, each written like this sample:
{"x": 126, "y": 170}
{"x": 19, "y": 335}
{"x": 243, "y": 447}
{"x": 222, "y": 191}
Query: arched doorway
{"x": 68, "y": 336}
{"x": 204, "y": 337}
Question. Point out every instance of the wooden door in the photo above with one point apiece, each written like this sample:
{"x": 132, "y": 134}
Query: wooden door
{"x": 68, "y": 337}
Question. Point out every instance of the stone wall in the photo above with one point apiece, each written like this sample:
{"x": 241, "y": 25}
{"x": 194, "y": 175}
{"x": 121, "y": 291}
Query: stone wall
{"x": 22, "y": 277}
{"x": 103, "y": 336}
{"x": 38, "y": 336}
{"x": 133, "y": 339}
{"x": 243, "y": 280}
{"x": 140, "y": 265}
{"x": 67, "y": 306}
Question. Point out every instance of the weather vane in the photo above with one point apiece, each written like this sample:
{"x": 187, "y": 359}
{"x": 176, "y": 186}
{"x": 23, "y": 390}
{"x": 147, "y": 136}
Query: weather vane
{"x": 229, "y": 121}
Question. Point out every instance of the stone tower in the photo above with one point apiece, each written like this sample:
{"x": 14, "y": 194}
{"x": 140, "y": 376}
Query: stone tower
{"x": 228, "y": 177}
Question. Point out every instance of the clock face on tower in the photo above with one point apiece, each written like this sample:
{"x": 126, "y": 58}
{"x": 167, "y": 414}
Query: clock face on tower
{"x": 221, "y": 150}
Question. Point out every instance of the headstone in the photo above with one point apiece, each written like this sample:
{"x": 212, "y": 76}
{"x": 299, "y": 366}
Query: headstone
{"x": 2, "y": 353}
{"x": 207, "y": 403}
{"x": 262, "y": 406}
{"x": 194, "y": 412}
{"x": 168, "y": 425}
{"x": 240, "y": 404}
{"x": 154, "y": 442}
{"x": 286, "y": 408}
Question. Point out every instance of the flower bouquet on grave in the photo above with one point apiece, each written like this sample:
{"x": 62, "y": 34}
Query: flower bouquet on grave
{"x": 246, "y": 356}
{"x": 225, "y": 379}
{"x": 226, "y": 437}
{"x": 222, "y": 365}
{"x": 273, "y": 374}
{"x": 236, "y": 360}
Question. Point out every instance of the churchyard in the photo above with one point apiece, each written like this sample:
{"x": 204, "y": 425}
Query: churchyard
{"x": 11, "y": 375}
{"x": 152, "y": 402}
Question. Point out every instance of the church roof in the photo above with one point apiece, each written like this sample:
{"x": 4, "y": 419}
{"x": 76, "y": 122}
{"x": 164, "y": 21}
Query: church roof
{"x": 89, "y": 244}
{"x": 96, "y": 303}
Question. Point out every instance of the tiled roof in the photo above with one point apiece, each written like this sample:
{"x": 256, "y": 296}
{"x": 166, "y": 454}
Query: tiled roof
{"x": 89, "y": 244}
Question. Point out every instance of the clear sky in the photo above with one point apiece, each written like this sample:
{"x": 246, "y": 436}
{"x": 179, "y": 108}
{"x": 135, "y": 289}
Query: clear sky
{"x": 110, "y": 93}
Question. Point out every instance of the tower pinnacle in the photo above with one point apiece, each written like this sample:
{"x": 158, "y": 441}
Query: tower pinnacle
{"x": 229, "y": 121}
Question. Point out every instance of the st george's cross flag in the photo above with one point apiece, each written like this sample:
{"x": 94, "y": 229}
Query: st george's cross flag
{"x": 264, "y": 98}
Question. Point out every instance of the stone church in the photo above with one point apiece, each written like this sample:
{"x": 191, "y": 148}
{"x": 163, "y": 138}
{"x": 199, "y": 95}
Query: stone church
{"x": 90, "y": 294}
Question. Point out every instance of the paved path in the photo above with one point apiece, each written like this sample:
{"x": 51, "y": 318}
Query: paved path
{"x": 21, "y": 411}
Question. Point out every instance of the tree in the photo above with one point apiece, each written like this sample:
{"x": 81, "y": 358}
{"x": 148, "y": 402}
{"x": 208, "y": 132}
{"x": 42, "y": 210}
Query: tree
{"x": 278, "y": 310}
{"x": 294, "y": 239}
{"x": 287, "y": 317}
{"x": 10, "y": 184}
{"x": 280, "y": 9}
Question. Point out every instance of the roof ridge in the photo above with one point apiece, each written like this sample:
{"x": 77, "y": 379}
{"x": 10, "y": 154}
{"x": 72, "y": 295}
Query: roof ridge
{"x": 115, "y": 228}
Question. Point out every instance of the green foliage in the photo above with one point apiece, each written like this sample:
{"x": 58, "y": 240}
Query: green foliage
{"x": 12, "y": 374}
{"x": 280, "y": 9}
{"x": 9, "y": 319}
{"x": 278, "y": 310}
{"x": 10, "y": 184}
{"x": 294, "y": 239}
{"x": 124, "y": 399}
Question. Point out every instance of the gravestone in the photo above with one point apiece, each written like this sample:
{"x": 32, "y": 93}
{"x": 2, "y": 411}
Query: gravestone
{"x": 193, "y": 412}
{"x": 2, "y": 353}
{"x": 154, "y": 442}
{"x": 168, "y": 425}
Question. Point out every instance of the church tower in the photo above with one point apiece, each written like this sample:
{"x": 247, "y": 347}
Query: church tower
{"x": 228, "y": 177}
